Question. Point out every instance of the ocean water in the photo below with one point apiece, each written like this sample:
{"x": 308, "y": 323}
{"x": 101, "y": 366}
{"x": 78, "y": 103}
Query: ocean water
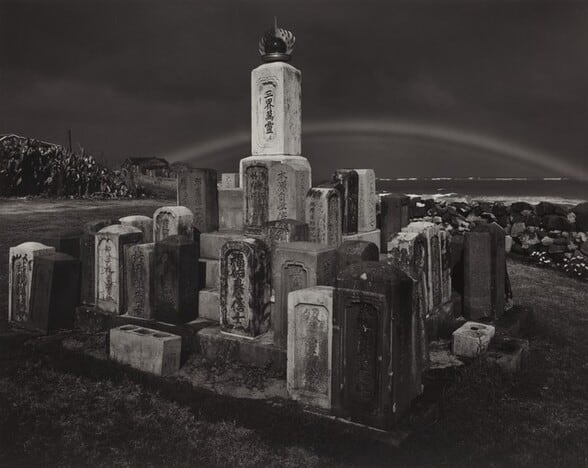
{"x": 533, "y": 190}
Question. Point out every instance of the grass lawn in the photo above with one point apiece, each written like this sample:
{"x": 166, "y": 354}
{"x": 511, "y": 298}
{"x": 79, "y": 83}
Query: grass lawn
{"x": 52, "y": 417}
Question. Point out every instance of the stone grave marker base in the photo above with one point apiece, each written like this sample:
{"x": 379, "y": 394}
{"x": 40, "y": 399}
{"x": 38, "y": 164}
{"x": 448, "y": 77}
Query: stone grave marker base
{"x": 259, "y": 352}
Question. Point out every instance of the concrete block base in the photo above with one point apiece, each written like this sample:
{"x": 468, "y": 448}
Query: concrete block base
{"x": 145, "y": 349}
{"x": 472, "y": 339}
{"x": 260, "y": 352}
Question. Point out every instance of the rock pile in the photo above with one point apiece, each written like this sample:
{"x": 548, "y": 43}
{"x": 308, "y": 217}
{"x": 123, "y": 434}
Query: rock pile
{"x": 550, "y": 234}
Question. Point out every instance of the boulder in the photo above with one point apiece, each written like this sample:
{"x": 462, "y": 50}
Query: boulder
{"x": 518, "y": 207}
{"x": 581, "y": 212}
{"x": 544, "y": 208}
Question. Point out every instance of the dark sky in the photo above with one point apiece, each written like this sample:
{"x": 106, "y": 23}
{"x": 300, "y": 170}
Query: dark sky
{"x": 411, "y": 88}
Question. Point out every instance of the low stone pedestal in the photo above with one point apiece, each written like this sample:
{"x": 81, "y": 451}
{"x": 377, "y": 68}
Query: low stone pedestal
{"x": 144, "y": 349}
{"x": 472, "y": 339}
{"x": 261, "y": 352}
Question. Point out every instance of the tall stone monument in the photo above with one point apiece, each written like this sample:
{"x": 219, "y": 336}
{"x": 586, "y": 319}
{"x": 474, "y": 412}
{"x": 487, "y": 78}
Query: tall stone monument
{"x": 275, "y": 166}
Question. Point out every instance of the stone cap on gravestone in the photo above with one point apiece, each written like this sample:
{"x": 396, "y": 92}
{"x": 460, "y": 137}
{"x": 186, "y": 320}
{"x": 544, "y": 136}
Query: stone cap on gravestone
{"x": 144, "y": 223}
{"x": 92, "y": 227}
{"x": 376, "y": 277}
{"x": 119, "y": 229}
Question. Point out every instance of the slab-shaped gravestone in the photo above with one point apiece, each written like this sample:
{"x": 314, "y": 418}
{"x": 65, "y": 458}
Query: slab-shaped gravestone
{"x": 88, "y": 259}
{"x": 139, "y": 266}
{"x": 298, "y": 265}
{"x": 244, "y": 291}
{"x": 434, "y": 262}
{"x": 229, "y": 180}
{"x": 393, "y": 215}
{"x": 323, "y": 215}
{"x": 256, "y": 197}
{"x": 274, "y": 187}
{"x": 348, "y": 181}
{"x": 230, "y": 209}
{"x": 366, "y": 218}
{"x": 198, "y": 191}
{"x": 275, "y": 110}
{"x": 372, "y": 381}
{"x": 143, "y": 223}
{"x": 407, "y": 251}
{"x": 55, "y": 292}
{"x": 484, "y": 272}
{"x": 356, "y": 251}
{"x": 310, "y": 345}
{"x": 285, "y": 230}
{"x": 66, "y": 241}
{"x": 110, "y": 246}
{"x": 21, "y": 265}
{"x": 176, "y": 279}
{"x": 173, "y": 221}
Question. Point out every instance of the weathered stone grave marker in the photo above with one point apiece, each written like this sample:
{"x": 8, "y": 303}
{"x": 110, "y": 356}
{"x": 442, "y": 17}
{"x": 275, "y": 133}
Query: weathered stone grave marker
{"x": 21, "y": 265}
{"x": 55, "y": 292}
{"x": 393, "y": 216}
{"x": 371, "y": 335}
{"x": 484, "y": 272}
{"x": 198, "y": 191}
{"x": 310, "y": 345}
{"x": 298, "y": 265}
{"x": 244, "y": 293}
{"x": 348, "y": 181}
{"x": 173, "y": 221}
{"x": 110, "y": 286}
{"x": 139, "y": 267}
{"x": 88, "y": 259}
{"x": 366, "y": 220}
{"x": 143, "y": 223}
{"x": 176, "y": 279}
{"x": 356, "y": 251}
{"x": 323, "y": 215}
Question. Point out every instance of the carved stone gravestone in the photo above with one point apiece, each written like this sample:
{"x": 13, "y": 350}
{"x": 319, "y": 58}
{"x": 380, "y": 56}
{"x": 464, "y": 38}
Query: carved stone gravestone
{"x": 283, "y": 201}
{"x": 274, "y": 187}
{"x": 256, "y": 197}
{"x": 110, "y": 245}
{"x": 310, "y": 345}
{"x": 484, "y": 272}
{"x": 244, "y": 288}
{"x": 366, "y": 218}
{"x": 356, "y": 251}
{"x": 408, "y": 252}
{"x": 298, "y": 265}
{"x": 285, "y": 230}
{"x": 55, "y": 292}
{"x": 323, "y": 215}
{"x": 276, "y": 110}
{"x": 393, "y": 215}
{"x": 21, "y": 266}
{"x": 371, "y": 344}
{"x": 176, "y": 279}
{"x": 198, "y": 191}
{"x": 143, "y": 223}
{"x": 139, "y": 267}
{"x": 173, "y": 221}
{"x": 87, "y": 257}
{"x": 348, "y": 181}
